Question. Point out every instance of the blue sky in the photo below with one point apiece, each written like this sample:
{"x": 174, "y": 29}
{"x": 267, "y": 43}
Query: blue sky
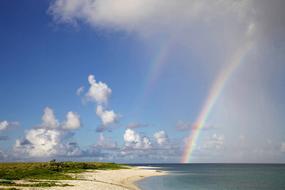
{"x": 49, "y": 49}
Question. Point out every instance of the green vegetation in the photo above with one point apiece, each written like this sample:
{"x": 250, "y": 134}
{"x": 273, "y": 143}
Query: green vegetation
{"x": 38, "y": 184}
{"x": 50, "y": 170}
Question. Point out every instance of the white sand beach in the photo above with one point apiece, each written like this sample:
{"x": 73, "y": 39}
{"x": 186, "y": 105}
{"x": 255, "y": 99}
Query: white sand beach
{"x": 123, "y": 179}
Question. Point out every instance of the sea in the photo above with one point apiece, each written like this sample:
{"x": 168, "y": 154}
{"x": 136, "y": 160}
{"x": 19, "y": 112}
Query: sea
{"x": 216, "y": 177}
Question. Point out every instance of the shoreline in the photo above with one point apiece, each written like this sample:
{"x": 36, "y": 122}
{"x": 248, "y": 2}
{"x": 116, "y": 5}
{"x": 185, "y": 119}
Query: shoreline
{"x": 122, "y": 179}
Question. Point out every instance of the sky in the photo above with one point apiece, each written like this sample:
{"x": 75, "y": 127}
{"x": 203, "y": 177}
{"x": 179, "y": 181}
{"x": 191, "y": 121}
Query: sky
{"x": 138, "y": 81}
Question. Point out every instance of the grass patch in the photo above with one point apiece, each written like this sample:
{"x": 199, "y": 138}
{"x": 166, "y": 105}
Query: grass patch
{"x": 50, "y": 170}
{"x": 39, "y": 184}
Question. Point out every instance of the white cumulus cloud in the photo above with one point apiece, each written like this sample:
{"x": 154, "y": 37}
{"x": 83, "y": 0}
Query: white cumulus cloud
{"x": 49, "y": 119}
{"x": 105, "y": 142}
{"x": 4, "y": 125}
{"x": 72, "y": 121}
{"x": 161, "y": 137}
{"x": 131, "y": 136}
{"x": 107, "y": 117}
{"x": 134, "y": 140}
{"x": 49, "y": 139}
{"x": 146, "y": 143}
{"x": 80, "y": 90}
{"x": 98, "y": 92}
{"x": 39, "y": 142}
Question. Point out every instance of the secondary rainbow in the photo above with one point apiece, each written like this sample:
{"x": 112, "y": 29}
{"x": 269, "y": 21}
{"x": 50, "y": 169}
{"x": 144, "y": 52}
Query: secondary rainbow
{"x": 156, "y": 67}
{"x": 214, "y": 94}
{"x": 154, "y": 72}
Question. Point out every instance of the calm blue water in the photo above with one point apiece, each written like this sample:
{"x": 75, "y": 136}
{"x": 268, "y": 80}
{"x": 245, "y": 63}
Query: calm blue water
{"x": 217, "y": 177}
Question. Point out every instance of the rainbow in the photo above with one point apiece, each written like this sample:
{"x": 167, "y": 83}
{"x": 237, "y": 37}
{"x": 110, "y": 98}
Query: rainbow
{"x": 154, "y": 71}
{"x": 214, "y": 94}
{"x": 157, "y": 66}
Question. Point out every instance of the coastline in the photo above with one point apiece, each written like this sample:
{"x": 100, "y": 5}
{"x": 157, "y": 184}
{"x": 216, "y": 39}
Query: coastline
{"x": 122, "y": 179}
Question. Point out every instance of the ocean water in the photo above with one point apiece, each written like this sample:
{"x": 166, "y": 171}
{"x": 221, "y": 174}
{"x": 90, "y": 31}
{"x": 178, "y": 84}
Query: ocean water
{"x": 217, "y": 177}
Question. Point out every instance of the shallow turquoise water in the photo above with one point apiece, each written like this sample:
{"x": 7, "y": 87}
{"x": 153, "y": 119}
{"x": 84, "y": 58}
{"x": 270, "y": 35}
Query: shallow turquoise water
{"x": 217, "y": 177}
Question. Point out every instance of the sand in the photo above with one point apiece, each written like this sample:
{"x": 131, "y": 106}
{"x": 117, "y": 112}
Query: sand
{"x": 123, "y": 179}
